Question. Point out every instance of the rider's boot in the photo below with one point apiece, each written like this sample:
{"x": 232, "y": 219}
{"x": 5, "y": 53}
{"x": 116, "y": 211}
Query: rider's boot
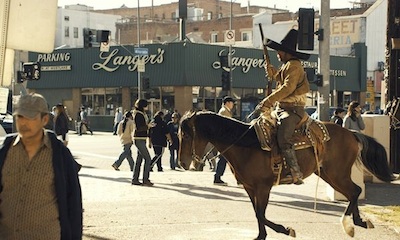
{"x": 291, "y": 159}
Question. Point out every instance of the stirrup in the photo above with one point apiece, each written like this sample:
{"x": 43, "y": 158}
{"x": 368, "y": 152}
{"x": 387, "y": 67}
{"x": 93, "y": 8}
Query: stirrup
{"x": 297, "y": 180}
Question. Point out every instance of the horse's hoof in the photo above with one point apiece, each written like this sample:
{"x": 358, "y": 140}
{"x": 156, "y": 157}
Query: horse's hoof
{"x": 347, "y": 225}
{"x": 292, "y": 232}
{"x": 260, "y": 238}
{"x": 369, "y": 224}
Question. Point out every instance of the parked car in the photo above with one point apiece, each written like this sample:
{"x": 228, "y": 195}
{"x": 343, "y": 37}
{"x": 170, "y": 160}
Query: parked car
{"x": 312, "y": 111}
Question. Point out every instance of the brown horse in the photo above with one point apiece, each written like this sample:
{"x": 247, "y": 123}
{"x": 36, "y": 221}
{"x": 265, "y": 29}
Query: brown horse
{"x": 252, "y": 166}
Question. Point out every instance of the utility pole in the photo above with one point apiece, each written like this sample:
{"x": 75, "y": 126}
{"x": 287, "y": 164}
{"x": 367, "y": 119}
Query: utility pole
{"x": 230, "y": 55}
{"x": 324, "y": 60}
{"x": 138, "y": 41}
{"x": 5, "y": 5}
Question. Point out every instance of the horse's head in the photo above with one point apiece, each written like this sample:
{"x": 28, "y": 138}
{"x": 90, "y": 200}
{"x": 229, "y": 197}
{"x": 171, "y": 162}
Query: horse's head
{"x": 191, "y": 143}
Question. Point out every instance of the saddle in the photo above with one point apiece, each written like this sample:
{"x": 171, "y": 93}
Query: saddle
{"x": 309, "y": 133}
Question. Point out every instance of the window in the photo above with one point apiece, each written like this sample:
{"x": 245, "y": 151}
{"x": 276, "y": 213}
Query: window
{"x": 76, "y": 32}
{"x": 214, "y": 37}
{"x": 66, "y": 31}
{"x": 209, "y": 15}
{"x": 173, "y": 16}
{"x": 163, "y": 16}
{"x": 219, "y": 15}
{"x": 101, "y": 101}
{"x": 66, "y": 18}
{"x": 246, "y": 36}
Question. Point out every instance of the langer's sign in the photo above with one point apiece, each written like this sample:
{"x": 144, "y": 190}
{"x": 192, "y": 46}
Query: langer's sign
{"x": 245, "y": 63}
{"x": 111, "y": 62}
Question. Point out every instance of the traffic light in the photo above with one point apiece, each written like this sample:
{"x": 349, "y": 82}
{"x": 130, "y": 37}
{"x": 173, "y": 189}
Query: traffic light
{"x": 305, "y": 38}
{"x": 103, "y": 36}
{"x": 319, "y": 80}
{"x": 146, "y": 83}
{"x": 182, "y": 9}
{"x": 226, "y": 81}
{"x": 31, "y": 71}
{"x": 88, "y": 37}
{"x": 224, "y": 61}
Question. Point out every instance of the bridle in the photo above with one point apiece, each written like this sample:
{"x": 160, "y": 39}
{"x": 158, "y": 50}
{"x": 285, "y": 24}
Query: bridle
{"x": 202, "y": 160}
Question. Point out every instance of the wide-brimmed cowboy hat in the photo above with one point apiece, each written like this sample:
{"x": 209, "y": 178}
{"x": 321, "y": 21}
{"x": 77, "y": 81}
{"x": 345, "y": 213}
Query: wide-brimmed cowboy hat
{"x": 289, "y": 45}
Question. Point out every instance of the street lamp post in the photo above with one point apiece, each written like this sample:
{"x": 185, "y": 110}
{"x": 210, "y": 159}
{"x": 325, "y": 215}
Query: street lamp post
{"x": 138, "y": 43}
{"x": 230, "y": 54}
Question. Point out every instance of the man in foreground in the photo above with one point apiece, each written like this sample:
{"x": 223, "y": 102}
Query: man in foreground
{"x": 40, "y": 193}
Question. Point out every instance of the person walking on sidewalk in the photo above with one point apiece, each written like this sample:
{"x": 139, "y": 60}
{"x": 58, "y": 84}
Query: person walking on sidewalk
{"x": 159, "y": 135}
{"x": 61, "y": 124}
{"x": 142, "y": 126}
{"x": 117, "y": 119}
{"x": 84, "y": 121}
{"x": 226, "y": 110}
{"x": 353, "y": 119}
{"x": 338, "y": 116}
{"x": 173, "y": 127}
{"x": 125, "y": 130}
{"x": 40, "y": 193}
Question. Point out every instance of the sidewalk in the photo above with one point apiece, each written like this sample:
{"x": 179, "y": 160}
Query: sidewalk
{"x": 186, "y": 205}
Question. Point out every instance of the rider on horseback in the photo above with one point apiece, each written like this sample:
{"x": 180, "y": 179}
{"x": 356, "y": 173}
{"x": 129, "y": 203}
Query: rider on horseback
{"x": 289, "y": 98}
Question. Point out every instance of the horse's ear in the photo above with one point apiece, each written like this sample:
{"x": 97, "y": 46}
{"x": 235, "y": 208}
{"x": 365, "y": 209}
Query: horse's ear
{"x": 190, "y": 114}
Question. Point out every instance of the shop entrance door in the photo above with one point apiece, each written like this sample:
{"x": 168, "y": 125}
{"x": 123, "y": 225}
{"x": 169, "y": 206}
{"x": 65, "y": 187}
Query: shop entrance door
{"x": 154, "y": 106}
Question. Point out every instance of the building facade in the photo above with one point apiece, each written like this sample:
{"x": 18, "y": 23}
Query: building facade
{"x": 71, "y": 21}
{"x": 182, "y": 76}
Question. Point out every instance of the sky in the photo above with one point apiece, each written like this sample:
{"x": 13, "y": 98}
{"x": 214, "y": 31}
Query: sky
{"x": 292, "y": 5}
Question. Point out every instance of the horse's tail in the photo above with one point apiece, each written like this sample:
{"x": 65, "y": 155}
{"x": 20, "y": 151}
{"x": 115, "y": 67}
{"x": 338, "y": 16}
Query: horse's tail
{"x": 374, "y": 157}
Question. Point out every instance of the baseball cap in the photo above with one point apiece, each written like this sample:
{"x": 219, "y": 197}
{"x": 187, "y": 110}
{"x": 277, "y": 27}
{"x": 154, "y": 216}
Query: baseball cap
{"x": 30, "y": 105}
{"x": 228, "y": 99}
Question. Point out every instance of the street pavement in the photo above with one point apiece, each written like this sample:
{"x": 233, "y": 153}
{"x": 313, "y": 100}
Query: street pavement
{"x": 186, "y": 205}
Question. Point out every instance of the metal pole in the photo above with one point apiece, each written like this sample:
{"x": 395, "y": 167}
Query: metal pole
{"x": 5, "y": 6}
{"x": 230, "y": 55}
{"x": 138, "y": 41}
{"x": 324, "y": 62}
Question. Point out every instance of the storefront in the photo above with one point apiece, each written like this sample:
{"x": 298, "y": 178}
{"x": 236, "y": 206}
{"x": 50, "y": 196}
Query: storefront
{"x": 181, "y": 76}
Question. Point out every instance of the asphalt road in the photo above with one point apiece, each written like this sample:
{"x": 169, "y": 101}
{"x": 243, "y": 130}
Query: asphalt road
{"x": 186, "y": 205}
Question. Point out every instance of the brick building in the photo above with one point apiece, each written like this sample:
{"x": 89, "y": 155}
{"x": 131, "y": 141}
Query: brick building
{"x": 207, "y": 19}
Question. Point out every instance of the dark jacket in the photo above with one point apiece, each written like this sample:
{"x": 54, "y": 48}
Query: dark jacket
{"x": 158, "y": 132}
{"x": 61, "y": 125}
{"x": 67, "y": 186}
{"x": 173, "y": 131}
{"x": 141, "y": 127}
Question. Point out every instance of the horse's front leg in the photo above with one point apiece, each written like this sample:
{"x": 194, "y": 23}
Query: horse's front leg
{"x": 262, "y": 233}
{"x": 260, "y": 199}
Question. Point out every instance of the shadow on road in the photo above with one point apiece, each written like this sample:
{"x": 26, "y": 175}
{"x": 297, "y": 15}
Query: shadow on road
{"x": 382, "y": 194}
{"x": 125, "y": 180}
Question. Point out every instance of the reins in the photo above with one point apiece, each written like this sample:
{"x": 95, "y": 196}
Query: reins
{"x": 202, "y": 160}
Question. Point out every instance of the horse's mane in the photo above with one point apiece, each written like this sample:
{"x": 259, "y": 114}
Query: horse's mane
{"x": 222, "y": 129}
